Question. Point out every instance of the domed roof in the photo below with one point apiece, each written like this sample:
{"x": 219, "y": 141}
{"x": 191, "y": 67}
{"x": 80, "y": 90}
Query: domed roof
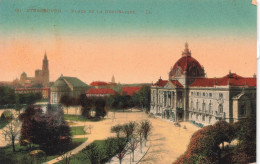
{"x": 187, "y": 65}
{"x": 24, "y": 74}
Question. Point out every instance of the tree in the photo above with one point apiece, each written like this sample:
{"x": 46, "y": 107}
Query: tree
{"x": 86, "y": 105}
{"x": 110, "y": 147}
{"x": 100, "y": 107}
{"x": 245, "y": 132}
{"x": 133, "y": 144}
{"x": 50, "y": 131}
{"x": 146, "y": 127}
{"x": 26, "y": 119}
{"x": 145, "y": 97}
{"x": 18, "y": 105}
{"x": 121, "y": 149}
{"x": 29, "y": 98}
{"x": 7, "y": 95}
{"x": 141, "y": 137}
{"x": 11, "y": 131}
{"x": 204, "y": 144}
{"x": 93, "y": 154}
{"x": 116, "y": 129}
{"x": 128, "y": 129}
{"x": 66, "y": 101}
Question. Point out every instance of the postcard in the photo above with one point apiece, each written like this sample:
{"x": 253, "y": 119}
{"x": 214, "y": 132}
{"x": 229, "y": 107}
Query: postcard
{"x": 128, "y": 81}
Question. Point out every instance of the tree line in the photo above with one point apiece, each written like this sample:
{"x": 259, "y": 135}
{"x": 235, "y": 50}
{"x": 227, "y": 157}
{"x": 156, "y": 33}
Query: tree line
{"x": 10, "y": 99}
{"x": 101, "y": 105}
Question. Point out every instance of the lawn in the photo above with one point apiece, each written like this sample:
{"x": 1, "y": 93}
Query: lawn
{"x": 4, "y": 122}
{"x": 21, "y": 155}
{"x": 77, "y": 130}
{"x": 72, "y": 117}
{"x": 81, "y": 157}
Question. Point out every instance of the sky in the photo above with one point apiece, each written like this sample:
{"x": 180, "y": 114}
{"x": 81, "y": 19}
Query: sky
{"x": 84, "y": 39}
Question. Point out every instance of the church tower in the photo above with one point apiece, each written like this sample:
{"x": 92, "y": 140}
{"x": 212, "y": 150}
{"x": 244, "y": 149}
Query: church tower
{"x": 45, "y": 71}
{"x": 113, "y": 79}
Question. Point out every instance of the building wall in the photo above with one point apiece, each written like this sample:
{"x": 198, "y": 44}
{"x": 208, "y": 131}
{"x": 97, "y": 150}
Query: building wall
{"x": 209, "y": 104}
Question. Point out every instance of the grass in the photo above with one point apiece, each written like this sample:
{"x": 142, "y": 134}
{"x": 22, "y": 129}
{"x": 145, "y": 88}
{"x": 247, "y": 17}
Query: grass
{"x": 21, "y": 155}
{"x": 72, "y": 117}
{"x": 80, "y": 158}
{"x": 77, "y": 130}
{"x": 4, "y": 122}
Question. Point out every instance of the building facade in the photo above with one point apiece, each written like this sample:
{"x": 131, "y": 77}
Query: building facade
{"x": 70, "y": 86}
{"x": 41, "y": 76}
{"x": 190, "y": 96}
{"x": 45, "y": 92}
{"x": 100, "y": 92}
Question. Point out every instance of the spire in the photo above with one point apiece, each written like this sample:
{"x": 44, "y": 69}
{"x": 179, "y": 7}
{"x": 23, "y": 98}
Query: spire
{"x": 45, "y": 55}
{"x": 113, "y": 79}
{"x": 186, "y": 51}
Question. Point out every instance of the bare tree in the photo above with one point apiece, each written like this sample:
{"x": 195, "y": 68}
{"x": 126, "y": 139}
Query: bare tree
{"x": 133, "y": 144}
{"x": 146, "y": 127}
{"x": 128, "y": 129}
{"x": 122, "y": 149}
{"x": 11, "y": 131}
{"x": 141, "y": 138}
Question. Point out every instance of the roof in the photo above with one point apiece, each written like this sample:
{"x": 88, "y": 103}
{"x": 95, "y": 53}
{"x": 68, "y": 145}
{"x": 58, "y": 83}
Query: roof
{"x": 130, "y": 90}
{"x": 231, "y": 79}
{"x": 75, "y": 82}
{"x": 101, "y": 91}
{"x": 31, "y": 89}
{"x": 98, "y": 83}
{"x": 187, "y": 65}
{"x": 176, "y": 83}
{"x": 161, "y": 83}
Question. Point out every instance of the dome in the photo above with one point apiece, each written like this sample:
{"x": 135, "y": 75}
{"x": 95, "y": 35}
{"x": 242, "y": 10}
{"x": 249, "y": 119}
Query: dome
{"x": 187, "y": 65}
{"x": 24, "y": 74}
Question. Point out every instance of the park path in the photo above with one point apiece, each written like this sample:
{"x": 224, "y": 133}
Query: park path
{"x": 167, "y": 141}
{"x": 101, "y": 129}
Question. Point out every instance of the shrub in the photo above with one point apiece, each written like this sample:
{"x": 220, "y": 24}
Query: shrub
{"x": 7, "y": 115}
{"x": 204, "y": 144}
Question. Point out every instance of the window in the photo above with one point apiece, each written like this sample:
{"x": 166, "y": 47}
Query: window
{"x": 203, "y": 118}
{"x": 197, "y": 105}
{"x": 242, "y": 109}
{"x": 220, "y": 108}
{"x": 191, "y": 93}
{"x": 210, "y": 94}
{"x": 191, "y": 104}
{"x": 204, "y": 94}
{"x": 198, "y": 93}
{"x": 197, "y": 117}
{"x": 203, "y": 106}
{"x": 209, "y": 119}
{"x": 220, "y": 95}
{"x": 210, "y": 106}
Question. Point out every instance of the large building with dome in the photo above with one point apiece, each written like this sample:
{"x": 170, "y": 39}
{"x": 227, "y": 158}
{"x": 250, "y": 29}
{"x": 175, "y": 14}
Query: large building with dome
{"x": 188, "y": 95}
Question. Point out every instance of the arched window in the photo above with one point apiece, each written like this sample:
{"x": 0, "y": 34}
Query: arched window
{"x": 220, "y": 108}
{"x": 203, "y": 106}
{"x": 203, "y": 118}
{"x": 210, "y": 106}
